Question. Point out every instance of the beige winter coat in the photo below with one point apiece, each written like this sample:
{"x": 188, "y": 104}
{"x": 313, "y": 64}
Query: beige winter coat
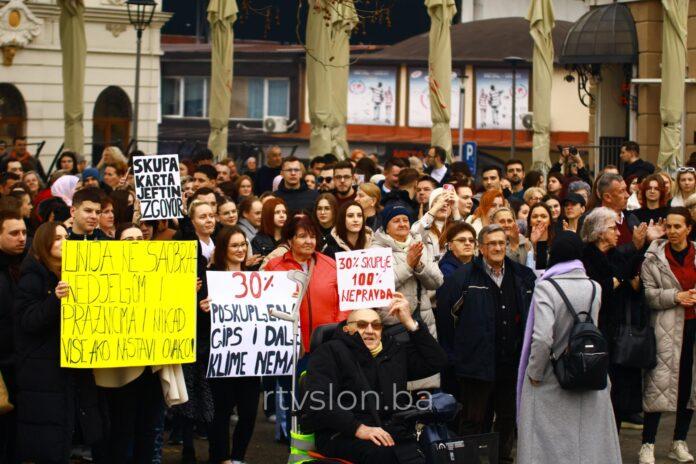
{"x": 660, "y": 384}
{"x": 406, "y": 280}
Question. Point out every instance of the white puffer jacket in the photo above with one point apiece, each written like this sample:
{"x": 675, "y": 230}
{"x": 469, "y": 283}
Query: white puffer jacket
{"x": 660, "y": 385}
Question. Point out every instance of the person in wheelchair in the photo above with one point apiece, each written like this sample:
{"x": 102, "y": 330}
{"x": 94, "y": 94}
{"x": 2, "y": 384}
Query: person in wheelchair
{"x": 357, "y": 380}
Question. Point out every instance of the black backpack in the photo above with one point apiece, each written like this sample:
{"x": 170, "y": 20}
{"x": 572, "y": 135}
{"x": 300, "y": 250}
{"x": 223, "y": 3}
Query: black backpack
{"x": 585, "y": 362}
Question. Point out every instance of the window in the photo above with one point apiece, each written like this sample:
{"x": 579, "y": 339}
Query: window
{"x": 171, "y": 101}
{"x": 258, "y": 97}
{"x": 253, "y": 98}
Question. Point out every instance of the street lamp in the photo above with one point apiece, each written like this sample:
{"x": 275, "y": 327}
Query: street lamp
{"x": 462, "y": 91}
{"x": 140, "y": 14}
{"x": 513, "y": 61}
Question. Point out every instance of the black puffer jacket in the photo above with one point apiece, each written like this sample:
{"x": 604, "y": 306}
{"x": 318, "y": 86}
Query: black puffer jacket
{"x": 263, "y": 244}
{"x": 332, "y": 370}
{"x": 49, "y": 398}
{"x": 300, "y": 199}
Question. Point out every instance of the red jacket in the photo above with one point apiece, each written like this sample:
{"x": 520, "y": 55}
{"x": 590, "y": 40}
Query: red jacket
{"x": 320, "y": 303}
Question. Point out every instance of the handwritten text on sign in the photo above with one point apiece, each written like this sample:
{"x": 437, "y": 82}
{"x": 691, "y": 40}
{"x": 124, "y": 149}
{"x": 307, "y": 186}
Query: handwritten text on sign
{"x": 158, "y": 186}
{"x": 131, "y": 303}
{"x": 365, "y": 278}
{"x": 244, "y": 339}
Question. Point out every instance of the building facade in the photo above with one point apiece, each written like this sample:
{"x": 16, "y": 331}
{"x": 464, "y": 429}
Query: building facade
{"x": 31, "y": 93}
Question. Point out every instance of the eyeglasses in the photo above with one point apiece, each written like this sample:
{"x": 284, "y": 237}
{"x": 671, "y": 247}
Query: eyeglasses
{"x": 501, "y": 244}
{"x": 362, "y": 325}
{"x": 686, "y": 169}
{"x": 292, "y": 170}
{"x": 342, "y": 177}
{"x": 238, "y": 246}
{"x": 321, "y": 180}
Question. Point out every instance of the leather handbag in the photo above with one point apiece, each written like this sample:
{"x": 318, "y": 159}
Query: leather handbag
{"x": 634, "y": 346}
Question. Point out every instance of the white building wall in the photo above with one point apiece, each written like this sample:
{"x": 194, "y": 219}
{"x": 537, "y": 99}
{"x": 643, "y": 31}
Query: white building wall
{"x": 111, "y": 47}
{"x": 473, "y": 10}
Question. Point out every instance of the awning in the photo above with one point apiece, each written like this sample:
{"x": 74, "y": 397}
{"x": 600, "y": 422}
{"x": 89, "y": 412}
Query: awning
{"x": 606, "y": 34}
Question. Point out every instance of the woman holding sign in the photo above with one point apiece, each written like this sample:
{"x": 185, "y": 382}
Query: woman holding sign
{"x": 49, "y": 396}
{"x": 231, "y": 392}
{"x": 350, "y": 231}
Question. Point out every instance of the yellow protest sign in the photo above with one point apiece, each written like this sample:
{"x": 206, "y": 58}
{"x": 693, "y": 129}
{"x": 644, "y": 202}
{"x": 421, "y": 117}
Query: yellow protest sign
{"x": 131, "y": 303}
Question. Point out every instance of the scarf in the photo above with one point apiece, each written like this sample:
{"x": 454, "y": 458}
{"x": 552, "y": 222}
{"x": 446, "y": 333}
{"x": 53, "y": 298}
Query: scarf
{"x": 376, "y": 350}
{"x": 558, "y": 269}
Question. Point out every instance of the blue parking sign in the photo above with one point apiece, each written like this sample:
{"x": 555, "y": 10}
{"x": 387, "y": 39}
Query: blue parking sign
{"x": 470, "y": 156}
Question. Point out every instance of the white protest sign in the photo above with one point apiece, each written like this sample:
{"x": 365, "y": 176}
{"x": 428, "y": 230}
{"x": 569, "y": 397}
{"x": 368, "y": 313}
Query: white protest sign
{"x": 244, "y": 339}
{"x": 365, "y": 278}
{"x": 158, "y": 186}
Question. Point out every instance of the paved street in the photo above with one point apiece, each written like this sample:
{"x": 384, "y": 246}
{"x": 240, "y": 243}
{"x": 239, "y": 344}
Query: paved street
{"x": 264, "y": 450}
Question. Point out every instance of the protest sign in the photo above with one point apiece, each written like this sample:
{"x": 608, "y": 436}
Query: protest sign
{"x": 131, "y": 303}
{"x": 158, "y": 186}
{"x": 365, "y": 278}
{"x": 245, "y": 340}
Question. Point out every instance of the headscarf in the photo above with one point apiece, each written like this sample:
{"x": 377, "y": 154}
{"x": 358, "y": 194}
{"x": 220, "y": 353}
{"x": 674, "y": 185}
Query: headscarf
{"x": 64, "y": 188}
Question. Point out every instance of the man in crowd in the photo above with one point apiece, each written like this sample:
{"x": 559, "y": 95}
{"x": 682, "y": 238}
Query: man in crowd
{"x": 437, "y": 168}
{"x": 15, "y": 167}
{"x": 269, "y": 171}
{"x": 7, "y": 181}
{"x": 85, "y": 211}
{"x": 481, "y": 312}
{"x": 13, "y": 241}
{"x": 391, "y": 175}
{"x": 424, "y": 188}
{"x": 490, "y": 178}
{"x": 293, "y": 189}
{"x": 358, "y": 432}
{"x": 406, "y": 193}
{"x": 205, "y": 176}
{"x": 90, "y": 177}
{"x": 325, "y": 180}
{"x": 21, "y": 154}
{"x": 223, "y": 173}
{"x": 343, "y": 182}
{"x": 203, "y": 157}
{"x": 633, "y": 164}
{"x": 514, "y": 173}
{"x": 316, "y": 165}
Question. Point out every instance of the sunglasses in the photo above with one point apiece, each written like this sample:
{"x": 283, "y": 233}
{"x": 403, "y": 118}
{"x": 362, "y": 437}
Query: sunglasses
{"x": 362, "y": 325}
{"x": 321, "y": 180}
{"x": 686, "y": 169}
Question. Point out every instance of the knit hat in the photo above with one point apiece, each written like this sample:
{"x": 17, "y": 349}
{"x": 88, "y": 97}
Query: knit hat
{"x": 90, "y": 172}
{"x": 392, "y": 210}
{"x": 567, "y": 246}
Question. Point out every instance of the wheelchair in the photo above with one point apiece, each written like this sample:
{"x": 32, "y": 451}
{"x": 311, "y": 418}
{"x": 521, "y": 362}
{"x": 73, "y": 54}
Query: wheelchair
{"x": 424, "y": 422}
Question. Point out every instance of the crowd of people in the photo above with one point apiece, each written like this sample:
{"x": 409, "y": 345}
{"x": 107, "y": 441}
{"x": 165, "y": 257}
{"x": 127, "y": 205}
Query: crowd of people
{"x": 475, "y": 315}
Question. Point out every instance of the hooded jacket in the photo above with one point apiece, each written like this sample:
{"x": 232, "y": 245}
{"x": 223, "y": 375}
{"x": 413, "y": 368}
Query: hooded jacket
{"x": 333, "y": 369}
{"x": 320, "y": 303}
{"x": 661, "y": 384}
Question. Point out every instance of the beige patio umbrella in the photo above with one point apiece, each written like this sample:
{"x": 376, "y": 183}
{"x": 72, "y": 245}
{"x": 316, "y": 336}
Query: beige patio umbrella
{"x": 344, "y": 18}
{"x": 221, "y": 15}
{"x": 318, "y": 57}
{"x": 441, "y": 13}
{"x": 673, "y": 74}
{"x": 541, "y": 22}
{"x": 73, "y": 45}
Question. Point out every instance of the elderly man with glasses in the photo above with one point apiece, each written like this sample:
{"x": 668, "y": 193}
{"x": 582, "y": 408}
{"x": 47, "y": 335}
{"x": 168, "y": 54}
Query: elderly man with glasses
{"x": 482, "y": 309}
{"x": 357, "y": 380}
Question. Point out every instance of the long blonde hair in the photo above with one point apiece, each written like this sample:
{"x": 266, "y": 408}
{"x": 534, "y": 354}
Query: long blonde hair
{"x": 116, "y": 156}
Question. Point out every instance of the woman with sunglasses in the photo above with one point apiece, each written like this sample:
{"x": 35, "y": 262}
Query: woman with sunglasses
{"x": 461, "y": 247}
{"x": 241, "y": 393}
{"x": 685, "y": 185}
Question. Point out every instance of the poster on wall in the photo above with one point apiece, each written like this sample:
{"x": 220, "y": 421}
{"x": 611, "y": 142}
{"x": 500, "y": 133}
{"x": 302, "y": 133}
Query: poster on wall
{"x": 494, "y": 98}
{"x": 419, "y": 99}
{"x": 372, "y": 96}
